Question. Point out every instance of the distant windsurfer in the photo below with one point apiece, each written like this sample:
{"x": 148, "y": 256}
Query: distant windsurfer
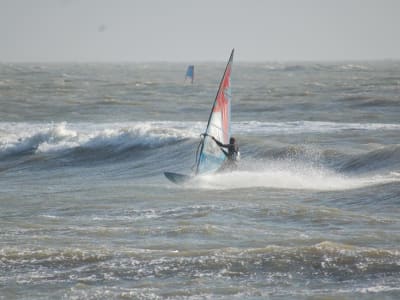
{"x": 232, "y": 153}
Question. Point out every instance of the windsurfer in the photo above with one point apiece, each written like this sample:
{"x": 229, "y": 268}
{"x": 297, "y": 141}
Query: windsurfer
{"x": 232, "y": 153}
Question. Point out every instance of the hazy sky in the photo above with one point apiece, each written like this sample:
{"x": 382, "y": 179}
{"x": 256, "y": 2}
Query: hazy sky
{"x": 187, "y": 30}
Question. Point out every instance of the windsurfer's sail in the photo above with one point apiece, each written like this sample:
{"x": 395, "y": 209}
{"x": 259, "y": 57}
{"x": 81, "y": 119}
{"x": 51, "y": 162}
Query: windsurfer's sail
{"x": 210, "y": 157}
{"x": 190, "y": 73}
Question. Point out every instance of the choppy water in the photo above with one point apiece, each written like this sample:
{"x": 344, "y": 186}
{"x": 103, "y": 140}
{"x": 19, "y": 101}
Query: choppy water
{"x": 312, "y": 212}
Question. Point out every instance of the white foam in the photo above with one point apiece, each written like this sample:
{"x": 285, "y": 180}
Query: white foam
{"x": 296, "y": 127}
{"x": 39, "y": 137}
{"x": 286, "y": 175}
{"x": 46, "y": 137}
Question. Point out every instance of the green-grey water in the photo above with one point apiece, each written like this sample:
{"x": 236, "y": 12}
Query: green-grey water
{"x": 311, "y": 213}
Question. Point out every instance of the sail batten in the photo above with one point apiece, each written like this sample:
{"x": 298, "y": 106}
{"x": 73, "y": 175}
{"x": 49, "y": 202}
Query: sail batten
{"x": 211, "y": 156}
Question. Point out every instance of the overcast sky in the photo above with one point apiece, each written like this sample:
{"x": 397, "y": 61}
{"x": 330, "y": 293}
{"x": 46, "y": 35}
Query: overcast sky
{"x": 200, "y": 30}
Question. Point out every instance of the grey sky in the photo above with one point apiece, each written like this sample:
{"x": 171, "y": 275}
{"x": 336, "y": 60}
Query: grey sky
{"x": 187, "y": 30}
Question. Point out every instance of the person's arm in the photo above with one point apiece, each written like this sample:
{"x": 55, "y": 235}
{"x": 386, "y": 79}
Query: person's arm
{"x": 219, "y": 143}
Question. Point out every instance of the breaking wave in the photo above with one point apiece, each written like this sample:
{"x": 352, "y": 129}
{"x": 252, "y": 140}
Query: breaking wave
{"x": 22, "y": 138}
{"x": 44, "y": 138}
{"x": 280, "y": 166}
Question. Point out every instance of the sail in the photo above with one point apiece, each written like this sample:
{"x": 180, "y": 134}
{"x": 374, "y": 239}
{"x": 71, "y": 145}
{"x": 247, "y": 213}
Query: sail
{"x": 190, "y": 73}
{"x": 211, "y": 156}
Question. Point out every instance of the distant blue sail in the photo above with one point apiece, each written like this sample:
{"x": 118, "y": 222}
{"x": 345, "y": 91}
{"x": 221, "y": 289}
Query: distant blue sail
{"x": 190, "y": 73}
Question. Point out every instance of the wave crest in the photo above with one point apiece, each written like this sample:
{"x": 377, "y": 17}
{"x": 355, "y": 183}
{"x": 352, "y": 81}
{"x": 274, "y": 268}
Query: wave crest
{"x": 26, "y": 138}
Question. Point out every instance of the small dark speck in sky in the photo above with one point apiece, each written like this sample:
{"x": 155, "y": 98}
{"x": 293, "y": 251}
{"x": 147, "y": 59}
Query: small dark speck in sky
{"x": 102, "y": 28}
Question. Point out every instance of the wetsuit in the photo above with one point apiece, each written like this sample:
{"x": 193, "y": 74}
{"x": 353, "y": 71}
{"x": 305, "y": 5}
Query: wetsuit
{"x": 231, "y": 154}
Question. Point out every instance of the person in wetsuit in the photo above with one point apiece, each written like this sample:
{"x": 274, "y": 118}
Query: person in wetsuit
{"x": 232, "y": 153}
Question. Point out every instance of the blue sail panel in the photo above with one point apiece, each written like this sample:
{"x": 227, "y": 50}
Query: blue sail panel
{"x": 211, "y": 158}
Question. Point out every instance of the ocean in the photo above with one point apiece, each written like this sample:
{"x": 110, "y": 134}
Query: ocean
{"x": 312, "y": 212}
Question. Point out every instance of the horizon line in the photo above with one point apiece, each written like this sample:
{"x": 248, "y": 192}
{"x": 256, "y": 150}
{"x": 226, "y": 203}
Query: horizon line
{"x": 197, "y": 61}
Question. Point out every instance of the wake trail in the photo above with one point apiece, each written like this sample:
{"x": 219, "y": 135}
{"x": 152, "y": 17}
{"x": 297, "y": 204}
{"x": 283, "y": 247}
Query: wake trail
{"x": 285, "y": 176}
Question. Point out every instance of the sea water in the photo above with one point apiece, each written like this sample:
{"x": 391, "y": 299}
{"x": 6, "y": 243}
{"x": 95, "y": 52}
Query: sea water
{"x": 311, "y": 213}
